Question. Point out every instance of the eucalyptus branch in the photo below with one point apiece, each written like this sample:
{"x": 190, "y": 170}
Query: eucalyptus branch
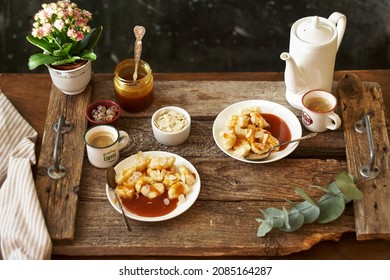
{"x": 328, "y": 208}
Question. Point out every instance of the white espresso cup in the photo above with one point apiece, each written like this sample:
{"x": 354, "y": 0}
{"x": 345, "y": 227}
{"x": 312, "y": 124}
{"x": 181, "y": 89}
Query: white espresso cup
{"x": 318, "y": 111}
{"x": 103, "y": 144}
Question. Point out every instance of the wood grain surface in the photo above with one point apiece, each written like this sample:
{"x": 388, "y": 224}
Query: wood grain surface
{"x": 58, "y": 198}
{"x": 372, "y": 219}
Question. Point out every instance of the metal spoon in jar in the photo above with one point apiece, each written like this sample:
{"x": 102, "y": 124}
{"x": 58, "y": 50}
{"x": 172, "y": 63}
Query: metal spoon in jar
{"x": 139, "y": 32}
{"x": 110, "y": 176}
{"x": 267, "y": 153}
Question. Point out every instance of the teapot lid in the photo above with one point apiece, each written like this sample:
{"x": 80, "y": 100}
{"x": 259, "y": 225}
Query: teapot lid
{"x": 314, "y": 31}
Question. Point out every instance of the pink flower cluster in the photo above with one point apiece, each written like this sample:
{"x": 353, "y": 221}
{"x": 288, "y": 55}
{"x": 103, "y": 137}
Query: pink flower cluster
{"x": 61, "y": 17}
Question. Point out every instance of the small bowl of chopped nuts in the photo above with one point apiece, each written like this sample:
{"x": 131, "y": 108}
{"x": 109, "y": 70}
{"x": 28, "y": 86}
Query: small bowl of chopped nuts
{"x": 103, "y": 112}
{"x": 171, "y": 125}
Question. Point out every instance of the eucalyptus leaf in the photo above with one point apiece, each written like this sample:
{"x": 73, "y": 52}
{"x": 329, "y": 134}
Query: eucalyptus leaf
{"x": 266, "y": 224}
{"x": 333, "y": 188}
{"x": 321, "y": 188}
{"x": 265, "y": 214}
{"x": 310, "y": 211}
{"x": 286, "y": 218}
{"x": 295, "y": 219}
{"x": 331, "y": 207}
{"x": 277, "y": 215}
{"x": 39, "y": 59}
{"x": 265, "y": 227}
{"x": 304, "y": 195}
{"x": 348, "y": 187}
{"x": 292, "y": 204}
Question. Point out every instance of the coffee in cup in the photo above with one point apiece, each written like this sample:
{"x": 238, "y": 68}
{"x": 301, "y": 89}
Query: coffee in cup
{"x": 101, "y": 139}
{"x": 318, "y": 104}
{"x": 318, "y": 111}
{"x": 104, "y": 143}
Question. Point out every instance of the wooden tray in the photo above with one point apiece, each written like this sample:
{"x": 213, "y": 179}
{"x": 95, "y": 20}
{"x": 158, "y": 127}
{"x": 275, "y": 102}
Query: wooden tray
{"x": 222, "y": 220}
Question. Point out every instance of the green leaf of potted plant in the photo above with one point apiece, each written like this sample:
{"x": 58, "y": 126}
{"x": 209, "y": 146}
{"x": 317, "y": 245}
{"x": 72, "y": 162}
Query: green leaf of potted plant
{"x": 62, "y": 32}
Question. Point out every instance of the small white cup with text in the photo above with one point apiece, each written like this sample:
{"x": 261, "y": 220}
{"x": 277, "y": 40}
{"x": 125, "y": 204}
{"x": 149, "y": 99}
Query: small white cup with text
{"x": 318, "y": 111}
{"x": 103, "y": 144}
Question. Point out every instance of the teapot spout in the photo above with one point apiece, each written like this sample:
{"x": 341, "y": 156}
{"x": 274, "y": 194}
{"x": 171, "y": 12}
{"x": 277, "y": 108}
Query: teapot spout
{"x": 294, "y": 76}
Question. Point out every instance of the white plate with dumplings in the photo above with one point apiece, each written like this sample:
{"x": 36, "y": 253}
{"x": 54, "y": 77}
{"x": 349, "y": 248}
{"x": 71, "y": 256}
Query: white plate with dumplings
{"x": 266, "y": 107}
{"x": 190, "y": 197}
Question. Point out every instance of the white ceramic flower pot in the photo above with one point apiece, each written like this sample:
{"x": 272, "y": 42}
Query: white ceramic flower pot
{"x": 73, "y": 81}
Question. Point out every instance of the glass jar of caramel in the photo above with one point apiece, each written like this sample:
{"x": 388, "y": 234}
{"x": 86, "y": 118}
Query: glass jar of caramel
{"x": 133, "y": 96}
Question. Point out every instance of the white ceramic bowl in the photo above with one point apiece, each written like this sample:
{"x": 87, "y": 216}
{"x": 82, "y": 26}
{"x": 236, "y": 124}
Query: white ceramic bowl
{"x": 171, "y": 138}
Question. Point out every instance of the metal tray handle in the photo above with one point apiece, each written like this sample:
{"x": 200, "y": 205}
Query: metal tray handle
{"x": 364, "y": 125}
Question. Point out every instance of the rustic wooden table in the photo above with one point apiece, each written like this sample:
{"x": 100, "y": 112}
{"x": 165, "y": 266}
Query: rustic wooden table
{"x": 221, "y": 223}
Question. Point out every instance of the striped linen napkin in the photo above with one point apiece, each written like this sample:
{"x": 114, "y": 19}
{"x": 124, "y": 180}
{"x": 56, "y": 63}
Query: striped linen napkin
{"x": 23, "y": 232}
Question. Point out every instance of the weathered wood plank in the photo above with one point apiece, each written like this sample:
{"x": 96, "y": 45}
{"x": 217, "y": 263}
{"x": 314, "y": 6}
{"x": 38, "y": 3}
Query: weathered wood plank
{"x": 201, "y": 143}
{"x": 194, "y": 95}
{"x": 230, "y": 180}
{"x": 224, "y": 213}
{"x": 209, "y": 228}
{"x": 372, "y": 212}
{"x": 59, "y": 198}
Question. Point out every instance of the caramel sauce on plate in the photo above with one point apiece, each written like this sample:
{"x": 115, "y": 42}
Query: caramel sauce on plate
{"x": 146, "y": 207}
{"x": 278, "y": 128}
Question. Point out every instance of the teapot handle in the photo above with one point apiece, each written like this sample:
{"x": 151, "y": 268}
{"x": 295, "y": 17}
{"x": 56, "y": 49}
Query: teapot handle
{"x": 340, "y": 21}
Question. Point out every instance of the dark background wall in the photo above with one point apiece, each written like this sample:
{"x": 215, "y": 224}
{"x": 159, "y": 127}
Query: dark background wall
{"x": 206, "y": 35}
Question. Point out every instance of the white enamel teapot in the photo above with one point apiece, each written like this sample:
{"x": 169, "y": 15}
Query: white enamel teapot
{"x": 314, "y": 42}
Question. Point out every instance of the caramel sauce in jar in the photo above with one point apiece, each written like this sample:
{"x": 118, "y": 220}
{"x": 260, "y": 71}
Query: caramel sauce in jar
{"x": 133, "y": 96}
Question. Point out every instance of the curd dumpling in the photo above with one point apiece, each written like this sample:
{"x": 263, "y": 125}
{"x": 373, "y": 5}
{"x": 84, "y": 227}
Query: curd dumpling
{"x": 160, "y": 163}
{"x": 186, "y": 176}
{"x": 242, "y": 133}
{"x": 232, "y": 122}
{"x": 153, "y": 190}
{"x": 229, "y": 139}
{"x": 238, "y": 120}
{"x": 156, "y": 175}
{"x": 264, "y": 143}
{"x": 124, "y": 175}
{"x": 141, "y": 162}
{"x": 252, "y": 132}
{"x": 241, "y": 148}
{"x": 170, "y": 179}
{"x": 243, "y": 121}
{"x": 268, "y": 138}
{"x": 258, "y": 120}
{"x": 247, "y": 111}
{"x": 177, "y": 189}
{"x": 125, "y": 191}
{"x": 143, "y": 181}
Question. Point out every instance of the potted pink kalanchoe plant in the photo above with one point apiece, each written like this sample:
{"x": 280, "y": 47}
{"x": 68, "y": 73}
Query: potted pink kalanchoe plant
{"x": 61, "y": 30}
